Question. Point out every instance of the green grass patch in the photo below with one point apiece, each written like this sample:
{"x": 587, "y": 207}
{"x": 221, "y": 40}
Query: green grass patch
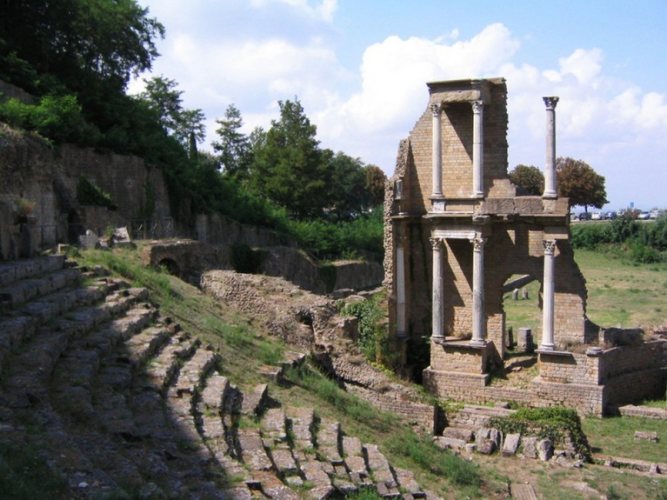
{"x": 422, "y": 451}
{"x": 616, "y": 436}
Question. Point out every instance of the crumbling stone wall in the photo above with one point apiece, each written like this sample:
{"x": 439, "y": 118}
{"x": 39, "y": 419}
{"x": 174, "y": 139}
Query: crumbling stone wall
{"x": 32, "y": 169}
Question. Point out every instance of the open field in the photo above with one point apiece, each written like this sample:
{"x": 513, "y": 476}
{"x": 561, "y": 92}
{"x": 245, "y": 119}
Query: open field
{"x": 620, "y": 294}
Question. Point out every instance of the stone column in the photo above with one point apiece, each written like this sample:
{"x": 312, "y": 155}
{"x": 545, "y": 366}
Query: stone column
{"x": 400, "y": 292}
{"x": 437, "y": 304}
{"x": 550, "y": 190}
{"x": 478, "y": 322}
{"x": 437, "y": 151}
{"x": 547, "y": 343}
{"x": 477, "y": 149}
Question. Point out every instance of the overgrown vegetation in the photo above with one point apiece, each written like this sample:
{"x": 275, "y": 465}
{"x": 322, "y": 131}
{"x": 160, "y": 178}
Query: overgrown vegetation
{"x": 639, "y": 242}
{"x": 554, "y": 423}
{"x": 616, "y": 436}
{"x": 374, "y": 339}
{"x": 89, "y": 193}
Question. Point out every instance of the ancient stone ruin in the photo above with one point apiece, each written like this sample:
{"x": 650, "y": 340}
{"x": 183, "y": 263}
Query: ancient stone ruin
{"x": 456, "y": 231}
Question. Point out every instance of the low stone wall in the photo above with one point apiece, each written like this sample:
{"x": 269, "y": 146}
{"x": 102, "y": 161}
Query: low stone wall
{"x": 357, "y": 275}
{"x": 569, "y": 368}
{"x": 217, "y": 229}
{"x": 643, "y": 411}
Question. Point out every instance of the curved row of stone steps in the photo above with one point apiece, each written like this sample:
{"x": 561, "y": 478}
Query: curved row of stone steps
{"x": 120, "y": 401}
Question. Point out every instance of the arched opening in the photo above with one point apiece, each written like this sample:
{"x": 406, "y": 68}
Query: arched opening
{"x": 171, "y": 266}
{"x": 522, "y": 311}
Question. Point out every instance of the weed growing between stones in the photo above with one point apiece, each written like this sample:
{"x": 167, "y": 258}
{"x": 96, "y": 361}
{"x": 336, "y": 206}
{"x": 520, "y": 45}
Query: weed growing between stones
{"x": 24, "y": 474}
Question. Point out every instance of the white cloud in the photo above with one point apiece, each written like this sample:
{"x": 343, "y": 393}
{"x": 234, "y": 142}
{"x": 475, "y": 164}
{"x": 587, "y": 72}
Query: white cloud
{"x": 323, "y": 10}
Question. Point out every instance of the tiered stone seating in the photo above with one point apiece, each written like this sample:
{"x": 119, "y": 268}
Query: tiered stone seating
{"x": 124, "y": 401}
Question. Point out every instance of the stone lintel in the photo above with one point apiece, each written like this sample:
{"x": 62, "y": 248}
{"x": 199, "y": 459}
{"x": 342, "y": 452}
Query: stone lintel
{"x": 556, "y": 233}
{"x": 462, "y": 91}
{"x": 459, "y": 232}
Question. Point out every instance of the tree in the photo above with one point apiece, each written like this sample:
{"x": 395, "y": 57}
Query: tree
{"x": 375, "y": 180}
{"x": 347, "y": 192}
{"x": 234, "y": 148}
{"x": 288, "y": 166}
{"x": 81, "y": 41}
{"x": 165, "y": 100}
{"x": 580, "y": 183}
{"x": 528, "y": 179}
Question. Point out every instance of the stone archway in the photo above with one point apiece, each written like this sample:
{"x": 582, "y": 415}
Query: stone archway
{"x": 171, "y": 266}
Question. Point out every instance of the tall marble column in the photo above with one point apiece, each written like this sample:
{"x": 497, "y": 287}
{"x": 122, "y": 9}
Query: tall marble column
{"x": 478, "y": 323}
{"x": 437, "y": 304}
{"x": 550, "y": 190}
{"x": 548, "y": 292}
{"x": 436, "y": 151}
{"x": 477, "y": 149}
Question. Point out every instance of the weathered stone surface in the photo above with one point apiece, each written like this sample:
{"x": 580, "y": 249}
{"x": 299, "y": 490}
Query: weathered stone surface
{"x": 646, "y": 435}
{"x": 529, "y": 447}
{"x": 449, "y": 442}
{"x": 511, "y": 444}
{"x": 545, "y": 449}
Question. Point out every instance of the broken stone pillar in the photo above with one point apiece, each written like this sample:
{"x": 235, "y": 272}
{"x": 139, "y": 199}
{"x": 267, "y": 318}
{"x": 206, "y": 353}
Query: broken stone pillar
{"x": 524, "y": 340}
{"x": 524, "y": 294}
{"x": 515, "y": 294}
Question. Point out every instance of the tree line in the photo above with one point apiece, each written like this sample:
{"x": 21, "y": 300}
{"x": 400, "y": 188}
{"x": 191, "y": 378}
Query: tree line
{"x": 575, "y": 179}
{"x": 77, "y": 56}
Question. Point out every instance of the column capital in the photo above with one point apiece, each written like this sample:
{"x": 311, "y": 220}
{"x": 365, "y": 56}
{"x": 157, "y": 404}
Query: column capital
{"x": 478, "y": 243}
{"x": 436, "y": 243}
{"x": 549, "y": 247}
{"x": 436, "y": 108}
{"x": 477, "y": 106}
{"x": 550, "y": 102}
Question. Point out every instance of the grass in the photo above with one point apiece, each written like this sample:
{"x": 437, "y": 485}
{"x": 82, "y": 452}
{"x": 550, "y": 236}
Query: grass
{"x": 615, "y": 436}
{"x": 620, "y": 294}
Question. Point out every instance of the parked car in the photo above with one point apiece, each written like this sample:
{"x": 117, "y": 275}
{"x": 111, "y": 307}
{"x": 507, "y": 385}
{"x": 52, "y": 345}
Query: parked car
{"x": 611, "y": 215}
{"x": 585, "y": 216}
{"x": 596, "y": 216}
{"x": 644, "y": 216}
{"x": 656, "y": 213}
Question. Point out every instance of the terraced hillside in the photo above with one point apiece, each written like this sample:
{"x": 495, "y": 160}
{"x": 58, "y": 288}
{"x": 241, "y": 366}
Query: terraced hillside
{"x": 104, "y": 395}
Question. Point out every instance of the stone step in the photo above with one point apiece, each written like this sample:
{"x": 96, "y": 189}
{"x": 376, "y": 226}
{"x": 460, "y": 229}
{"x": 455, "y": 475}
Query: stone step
{"x": 301, "y": 422}
{"x": 21, "y": 325}
{"x": 355, "y": 461}
{"x": 11, "y": 272}
{"x": 145, "y": 345}
{"x": 194, "y": 371}
{"x": 17, "y": 293}
{"x": 329, "y": 440}
{"x": 274, "y": 435}
{"x": 255, "y": 401}
{"x": 161, "y": 370}
{"x": 381, "y": 472}
{"x": 252, "y": 450}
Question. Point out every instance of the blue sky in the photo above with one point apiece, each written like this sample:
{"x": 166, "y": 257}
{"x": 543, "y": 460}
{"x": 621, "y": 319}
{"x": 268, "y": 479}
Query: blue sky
{"x": 360, "y": 67}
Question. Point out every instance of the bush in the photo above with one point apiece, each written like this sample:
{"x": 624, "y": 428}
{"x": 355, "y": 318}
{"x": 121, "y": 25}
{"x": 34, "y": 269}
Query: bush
{"x": 57, "y": 118}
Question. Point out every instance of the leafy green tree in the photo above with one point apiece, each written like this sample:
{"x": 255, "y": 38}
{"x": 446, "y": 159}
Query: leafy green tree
{"x": 528, "y": 179}
{"x": 81, "y": 41}
{"x": 234, "y": 147}
{"x": 164, "y": 99}
{"x": 347, "y": 191}
{"x": 580, "y": 183}
{"x": 288, "y": 167}
{"x": 375, "y": 180}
